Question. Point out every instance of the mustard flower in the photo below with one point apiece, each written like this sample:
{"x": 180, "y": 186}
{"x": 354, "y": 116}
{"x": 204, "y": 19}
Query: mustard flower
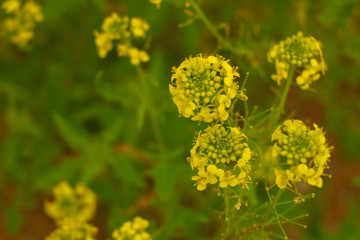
{"x": 303, "y": 53}
{"x": 116, "y": 27}
{"x": 19, "y": 23}
{"x": 132, "y": 230}
{"x": 303, "y": 152}
{"x": 220, "y": 155}
{"x": 120, "y": 32}
{"x": 11, "y": 6}
{"x": 203, "y": 88}
{"x": 74, "y": 232}
{"x": 139, "y": 27}
{"x": 71, "y": 205}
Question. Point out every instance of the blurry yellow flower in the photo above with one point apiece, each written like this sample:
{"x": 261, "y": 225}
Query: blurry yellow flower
{"x": 139, "y": 27}
{"x": 220, "y": 155}
{"x": 120, "y": 31}
{"x": 301, "y": 52}
{"x": 20, "y": 22}
{"x": 203, "y": 88}
{"x": 74, "y": 232}
{"x": 71, "y": 205}
{"x": 11, "y": 6}
{"x": 156, "y": 2}
{"x": 22, "y": 38}
{"x": 134, "y": 230}
{"x": 304, "y": 152}
{"x": 136, "y": 56}
{"x": 33, "y": 11}
{"x": 103, "y": 43}
{"x": 116, "y": 27}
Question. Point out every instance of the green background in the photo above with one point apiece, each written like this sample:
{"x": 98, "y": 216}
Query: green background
{"x": 66, "y": 114}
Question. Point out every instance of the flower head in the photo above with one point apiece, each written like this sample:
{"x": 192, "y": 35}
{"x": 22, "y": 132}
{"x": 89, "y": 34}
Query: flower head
{"x": 120, "y": 32}
{"x": 301, "y": 52}
{"x": 20, "y": 22}
{"x": 132, "y": 230}
{"x": 71, "y": 205}
{"x": 220, "y": 155}
{"x": 203, "y": 88}
{"x": 303, "y": 151}
{"x": 74, "y": 232}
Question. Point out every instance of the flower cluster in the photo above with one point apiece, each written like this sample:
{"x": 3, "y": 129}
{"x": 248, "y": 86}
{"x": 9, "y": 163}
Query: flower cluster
{"x": 303, "y": 152}
{"x": 20, "y": 20}
{"x": 134, "y": 230}
{"x": 121, "y": 31}
{"x": 71, "y": 205}
{"x": 203, "y": 88}
{"x": 299, "y": 52}
{"x": 221, "y": 155}
{"x": 74, "y": 232}
{"x": 71, "y": 209}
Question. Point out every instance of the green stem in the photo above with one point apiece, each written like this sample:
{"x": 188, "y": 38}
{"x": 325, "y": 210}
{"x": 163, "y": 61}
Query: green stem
{"x": 226, "y": 198}
{"x": 284, "y": 95}
{"x": 273, "y": 203}
{"x": 212, "y": 29}
{"x": 152, "y": 108}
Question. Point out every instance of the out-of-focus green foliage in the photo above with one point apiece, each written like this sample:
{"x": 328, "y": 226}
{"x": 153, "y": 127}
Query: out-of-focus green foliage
{"x": 66, "y": 114}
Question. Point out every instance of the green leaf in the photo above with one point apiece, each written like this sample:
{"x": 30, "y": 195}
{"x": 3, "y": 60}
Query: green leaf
{"x": 141, "y": 116}
{"x": 124, "y": 168}
{"x": 112, "y": 133}
{"x": 68, "y": 132}
{"x": 111, "y": 93}
{"x": 164, "y": 175}
{"x": 14, "y": 220}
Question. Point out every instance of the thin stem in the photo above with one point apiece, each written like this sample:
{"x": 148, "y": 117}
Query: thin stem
{"x": 284, "y": 95}
{"x": 272, "y": 206}
{"x": 226, "y": 198}
{"x": 212, "y": 29}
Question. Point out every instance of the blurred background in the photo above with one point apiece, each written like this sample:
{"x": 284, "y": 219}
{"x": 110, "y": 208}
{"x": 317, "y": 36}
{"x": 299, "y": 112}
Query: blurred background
{"x": 66, "y": 114}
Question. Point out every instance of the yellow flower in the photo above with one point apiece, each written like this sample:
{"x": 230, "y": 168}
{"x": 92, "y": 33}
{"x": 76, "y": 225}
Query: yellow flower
{"x": 71, "y": 205}
{"x": 283, "y": 178}
{"x": 228, "y": 179}
{"x": 304, "y": 152}
{"x": 139, "y": 27}
{"x": 19, "y": 25}
{"x": 11, "y": 6}
{"x": 203, "y": 87}
{"x": 22, "y": 37}
{"x": 220, "y": 155}
{"x": 103, "y": 43}
{"x": 136, "y": 56}
{"x": 134, "y": 230}
{"x": 210, "y": 176}
{"x": 74, "y": 232}
{"x": 300, "y": 52}
{"x": 33, "y": 11}
{"x": 116, "y": 27}
{"x": 120, "y": 31}
{"x": 156, "y": 2}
